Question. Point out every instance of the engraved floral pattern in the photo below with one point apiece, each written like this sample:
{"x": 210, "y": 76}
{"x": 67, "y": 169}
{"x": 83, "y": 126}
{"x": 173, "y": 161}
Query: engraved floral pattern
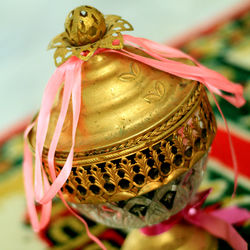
{"x": 157, "y": 93}
{"x": 132, "y": 75}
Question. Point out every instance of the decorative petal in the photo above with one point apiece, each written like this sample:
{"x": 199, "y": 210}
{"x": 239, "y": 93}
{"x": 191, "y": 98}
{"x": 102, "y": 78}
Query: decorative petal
{"x": 117, "y": 23}
{"x": 61, "y": 55}
{"x": 89, "y": 52}
{"x": 113, "y": 39}
{"x": 60, "y": 41}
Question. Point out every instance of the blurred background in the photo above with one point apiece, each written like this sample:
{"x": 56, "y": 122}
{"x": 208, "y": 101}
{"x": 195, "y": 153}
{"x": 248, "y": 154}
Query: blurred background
{"x": 27, "y": 26}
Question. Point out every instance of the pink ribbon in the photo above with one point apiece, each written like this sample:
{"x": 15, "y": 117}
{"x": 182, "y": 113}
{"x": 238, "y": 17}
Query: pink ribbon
{"x": 218, "y": 222}
{"x": 69, "y": 74}
{"x": 215, "y": 82}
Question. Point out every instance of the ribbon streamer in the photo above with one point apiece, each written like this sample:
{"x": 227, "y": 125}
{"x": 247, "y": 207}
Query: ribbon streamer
{"x": 69, "y": 74}
{"x": 218, "y": 222}
{"x": 215, "y": 82}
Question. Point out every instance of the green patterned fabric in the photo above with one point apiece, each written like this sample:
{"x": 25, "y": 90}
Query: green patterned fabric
{"x": 227, "y": 50}
{"x": 224, "y": 49}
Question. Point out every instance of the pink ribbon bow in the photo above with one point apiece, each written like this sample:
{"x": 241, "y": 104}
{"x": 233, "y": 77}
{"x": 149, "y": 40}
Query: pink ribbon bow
{"x": 217, "y": 222}
{"x": 69, "y": 74}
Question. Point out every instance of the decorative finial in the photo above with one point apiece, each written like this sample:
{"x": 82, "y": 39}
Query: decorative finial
{"x": 86, "y": 30}
{"x": 85, "y": 25}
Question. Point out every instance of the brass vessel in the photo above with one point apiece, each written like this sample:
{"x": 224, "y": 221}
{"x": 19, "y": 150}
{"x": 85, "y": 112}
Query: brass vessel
{"x": 180, "y": 237}
{"x": 139, "y": 128}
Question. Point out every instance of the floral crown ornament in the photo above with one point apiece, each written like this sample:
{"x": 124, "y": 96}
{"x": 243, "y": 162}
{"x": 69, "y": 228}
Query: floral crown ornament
{"x": 88, "y": 33}
{"x": 86, "y": 30}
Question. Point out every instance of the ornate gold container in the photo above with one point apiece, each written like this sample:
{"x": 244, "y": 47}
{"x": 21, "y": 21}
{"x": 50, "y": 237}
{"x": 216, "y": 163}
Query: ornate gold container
{"x": 140, "y": 130}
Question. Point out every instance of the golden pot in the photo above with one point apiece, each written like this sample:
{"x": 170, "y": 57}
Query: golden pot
{"x": 180, "y": 237}
{"x": 139, "y": 130}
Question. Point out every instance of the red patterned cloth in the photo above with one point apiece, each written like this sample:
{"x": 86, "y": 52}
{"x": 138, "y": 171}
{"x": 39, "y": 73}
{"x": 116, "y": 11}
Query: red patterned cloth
{"x": 224, "y": 46}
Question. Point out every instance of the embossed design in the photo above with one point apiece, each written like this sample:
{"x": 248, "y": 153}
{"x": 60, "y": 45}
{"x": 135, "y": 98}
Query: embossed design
{"x": 138, "y": 210}
{"x": 86, "y": 30}
{"x": 150, "y": 208}
{"x": 168, "y": 199}
{"x": 132, "y": 75}
{"x": 112, "y": 174}
{"x": 152, "y": 135}
{"x": 157, "y": 93}
{"x": 158, "y": 162}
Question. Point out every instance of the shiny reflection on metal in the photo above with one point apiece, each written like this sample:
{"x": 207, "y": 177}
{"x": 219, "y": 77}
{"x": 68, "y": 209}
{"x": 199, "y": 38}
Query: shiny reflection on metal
{"x": 180, "y": 237}
{"x": 150, "y": 208}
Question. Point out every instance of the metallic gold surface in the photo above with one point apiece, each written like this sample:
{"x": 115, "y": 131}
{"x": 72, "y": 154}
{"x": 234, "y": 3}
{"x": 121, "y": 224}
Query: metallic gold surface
{"x": 86, "y": 30}
{"x": 180, "y": 237}
{"x": 150, "y": 208}
{"x": 120, "y": 102}
{"x": 139, "y": 127}
{"x": 152, "y": 162}
{"x": 85, "y": 25}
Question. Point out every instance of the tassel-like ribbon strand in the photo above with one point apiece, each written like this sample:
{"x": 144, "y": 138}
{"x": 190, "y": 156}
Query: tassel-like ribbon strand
{"x": 69, "y": 73}
{"x": 215, "y": 82}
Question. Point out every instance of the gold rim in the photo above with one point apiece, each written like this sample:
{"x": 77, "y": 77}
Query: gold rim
{"x": 119, "y": 176}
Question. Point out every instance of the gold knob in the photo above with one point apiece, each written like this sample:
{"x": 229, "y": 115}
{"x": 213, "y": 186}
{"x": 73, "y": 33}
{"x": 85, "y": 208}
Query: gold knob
{"x": 85, "y": 25}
